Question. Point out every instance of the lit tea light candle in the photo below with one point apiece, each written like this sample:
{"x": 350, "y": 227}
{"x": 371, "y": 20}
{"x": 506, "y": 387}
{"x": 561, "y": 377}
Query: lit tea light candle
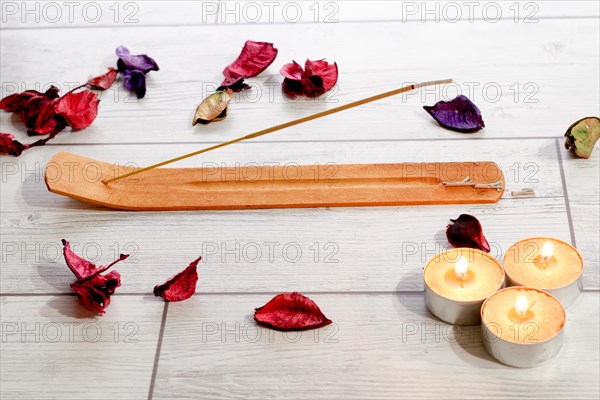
{"x": 545, "y": 263}
{"x": 457, "y": 282}
{"x": 522, "y": 327}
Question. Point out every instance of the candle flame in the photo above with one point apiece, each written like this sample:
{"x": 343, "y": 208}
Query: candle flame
{"x": 460, "y": 268}
{"x": 521, "y": 305}
{"x": 547, "y": 251}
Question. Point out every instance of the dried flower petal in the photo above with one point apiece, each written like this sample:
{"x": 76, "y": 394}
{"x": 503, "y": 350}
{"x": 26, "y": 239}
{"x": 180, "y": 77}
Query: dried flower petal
{"x": 291, "y": 311}
{"x": 583, "y": 135}
{"x": 15, "y": 148}
{"x": 180, "y": 286}
{"x": 292, "y": 72}
{"x": 136, "y": 82}
{"x": 81, "y": 267}
{"x": 236, "y": 86}
{"x": 319, "y": 77}
{"x": 104, "y": 81}
{"x": 316, "y": 78}
{"x": 213, "y": 108}
{"x": 459, "y": 115}
{"x": 466, "y": 231}
{"x": 128, "y": 61}
{"x": 78, "y": 109}
{"x": 94, "y": 292}
{"x": 16, "y": 102}
{"x": 254, "y": 58}
{"x": 10, "y": 146}
{"x": 39, "y": 116}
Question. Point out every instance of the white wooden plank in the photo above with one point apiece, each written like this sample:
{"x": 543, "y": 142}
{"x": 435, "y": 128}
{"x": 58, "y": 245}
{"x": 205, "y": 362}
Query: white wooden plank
{"x": 211, "y": 349}
{"x": 533, "y": 102}
{"x": 54, "y": 348}
{"x": 86, "y": 14}
{"x": 582, "y": 179}
{"x": 92, "y": 14}
{"x": 341, "y": 249}
{"x": 450, "y": 12}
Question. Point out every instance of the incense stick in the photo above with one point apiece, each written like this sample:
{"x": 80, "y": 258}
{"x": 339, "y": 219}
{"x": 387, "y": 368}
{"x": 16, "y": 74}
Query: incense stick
{"x": 283, "y": 126}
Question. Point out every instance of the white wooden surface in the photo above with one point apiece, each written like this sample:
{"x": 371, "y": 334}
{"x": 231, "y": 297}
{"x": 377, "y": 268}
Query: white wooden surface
{"x": 362, "y": 265}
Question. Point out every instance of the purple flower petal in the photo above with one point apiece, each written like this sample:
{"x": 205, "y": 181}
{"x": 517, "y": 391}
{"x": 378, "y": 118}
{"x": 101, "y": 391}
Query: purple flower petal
{"x": 128, "y": 61}
{"x": 459, "y": 115}
{"x": 135, "y": 81}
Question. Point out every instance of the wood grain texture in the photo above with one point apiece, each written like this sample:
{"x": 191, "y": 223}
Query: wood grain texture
{"x": 53, "y": 348}
{"x": 267, "y": 187}
{"x": 520, "y": 95}
{"x": 379, "y": 248}
{"x": 89, "y": 14}
{"x": 362, "y": 266}
{"x": 380, "y": 346}
{"x": 582, "y": 178}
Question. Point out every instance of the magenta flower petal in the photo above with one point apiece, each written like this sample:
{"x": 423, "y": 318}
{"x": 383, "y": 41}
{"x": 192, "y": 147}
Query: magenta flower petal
{"x": 234, "y": 86}
{"x": 459, "y": 115}
{"x": 320, "y": 76}
{"x": 94, "y": 292}
{"x": 83, "y": 268}
{"x": 254, "y": 59}
{"x": 316, "y": 78}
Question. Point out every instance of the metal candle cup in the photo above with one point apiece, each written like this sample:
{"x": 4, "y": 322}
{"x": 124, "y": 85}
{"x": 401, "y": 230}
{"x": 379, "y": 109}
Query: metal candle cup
{"x": 525, "y": 338}
{"x": 458, "y": 281}
{"x": 547, "y": 264}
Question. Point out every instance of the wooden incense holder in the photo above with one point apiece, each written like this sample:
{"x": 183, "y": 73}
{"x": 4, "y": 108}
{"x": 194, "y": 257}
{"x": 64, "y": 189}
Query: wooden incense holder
{"x": 291, "y": 186}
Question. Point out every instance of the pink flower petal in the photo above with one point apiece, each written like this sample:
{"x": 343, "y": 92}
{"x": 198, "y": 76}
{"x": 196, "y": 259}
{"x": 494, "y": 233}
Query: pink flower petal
{"x": 83, "y": 268}
{"x": 254, "y": 58}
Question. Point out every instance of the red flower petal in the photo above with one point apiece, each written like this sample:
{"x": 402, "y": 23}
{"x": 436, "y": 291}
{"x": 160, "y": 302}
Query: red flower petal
{"x": 180, "y": 286}
{"x": 466, "y": 231}
{"x": 10, "y": 146}
{"x": 78, "y": 109}
{"x": 291, "y": 311}
{"x": 39, "y": 116}
{"x": 292, "y": 71}
{"x": 105, "y": 81}
{"x": 94, "y": 292}
{"x": 317, "y": 78}
{"x": 321, "y": 75}
{"x": 16, "y": 102}
{"x": 81, "y": 267}
{"x": 235, "y": 86}
{"x": 254, "y": 59}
